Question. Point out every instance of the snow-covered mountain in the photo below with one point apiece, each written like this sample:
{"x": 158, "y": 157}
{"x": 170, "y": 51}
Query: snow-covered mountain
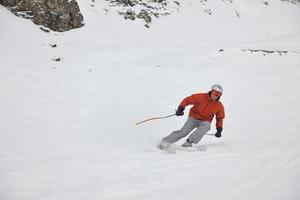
{"x": 67, "y": 126}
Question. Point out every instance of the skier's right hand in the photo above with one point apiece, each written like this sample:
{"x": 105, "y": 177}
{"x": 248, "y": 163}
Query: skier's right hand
{"x": 179, "y": 111}
{"x": 219, "y": 131}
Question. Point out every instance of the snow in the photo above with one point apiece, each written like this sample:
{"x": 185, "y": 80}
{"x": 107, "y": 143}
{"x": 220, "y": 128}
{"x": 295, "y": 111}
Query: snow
{"x": 67, "y": 128}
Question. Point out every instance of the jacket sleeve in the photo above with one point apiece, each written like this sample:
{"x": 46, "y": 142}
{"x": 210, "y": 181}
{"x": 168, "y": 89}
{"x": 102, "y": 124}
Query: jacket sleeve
{"x": 220, "y": 115}
{"x": 190, "y": 100}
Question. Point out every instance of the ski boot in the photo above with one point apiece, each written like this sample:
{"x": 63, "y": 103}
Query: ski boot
{"x": 187, "y": 143}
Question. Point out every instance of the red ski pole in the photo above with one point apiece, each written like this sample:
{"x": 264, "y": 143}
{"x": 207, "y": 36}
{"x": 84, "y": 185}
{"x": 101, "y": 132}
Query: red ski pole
{"x": 153, "y": 118}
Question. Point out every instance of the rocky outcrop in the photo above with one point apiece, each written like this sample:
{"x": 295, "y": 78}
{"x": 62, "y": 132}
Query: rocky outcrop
{"x": 292, "y": 1}
{"x": 57, "y": 15}
{"x": 144, "y": 10}
{"x": 9, "y": 2}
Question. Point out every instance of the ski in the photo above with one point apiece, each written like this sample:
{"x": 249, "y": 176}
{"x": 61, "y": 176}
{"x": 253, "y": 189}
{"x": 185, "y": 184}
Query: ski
{"x": 174, "y": 148}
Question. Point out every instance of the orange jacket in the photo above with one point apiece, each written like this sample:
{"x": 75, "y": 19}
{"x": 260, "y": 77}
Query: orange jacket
{"x": 204, "y": 108}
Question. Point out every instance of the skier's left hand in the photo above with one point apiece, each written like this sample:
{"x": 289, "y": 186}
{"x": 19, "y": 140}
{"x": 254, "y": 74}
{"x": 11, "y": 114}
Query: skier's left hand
{"x": 219, "y": 131}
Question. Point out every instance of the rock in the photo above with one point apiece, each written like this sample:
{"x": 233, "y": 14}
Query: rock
{"x": 57, "y": 15}
{"x": 45, "y": 29}
{"x": 145, "y": 10}
{"x": 53, "y": 45}
{"x": 57, "y": 59}
{"x": 9, "y": 2}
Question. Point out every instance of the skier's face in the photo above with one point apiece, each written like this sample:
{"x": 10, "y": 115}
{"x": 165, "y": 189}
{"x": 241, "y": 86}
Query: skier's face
{"x": 215, "y": 94}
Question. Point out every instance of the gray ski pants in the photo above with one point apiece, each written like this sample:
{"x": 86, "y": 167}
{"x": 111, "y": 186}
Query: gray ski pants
{"x": 202, "y": 127}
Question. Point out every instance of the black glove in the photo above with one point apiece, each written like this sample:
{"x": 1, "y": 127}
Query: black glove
{"x": 219, "y": 131}
{"x": 179, "y": 111}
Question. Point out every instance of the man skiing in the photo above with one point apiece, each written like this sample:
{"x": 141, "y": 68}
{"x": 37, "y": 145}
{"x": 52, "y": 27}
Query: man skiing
{"x": 205, "y": 107}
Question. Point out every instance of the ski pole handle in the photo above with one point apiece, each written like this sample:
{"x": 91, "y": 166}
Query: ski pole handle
{"x": 154, "y": 118}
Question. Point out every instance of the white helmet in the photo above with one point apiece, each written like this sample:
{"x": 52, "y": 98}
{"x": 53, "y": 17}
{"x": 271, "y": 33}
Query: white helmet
{"x": 217, "y": 87}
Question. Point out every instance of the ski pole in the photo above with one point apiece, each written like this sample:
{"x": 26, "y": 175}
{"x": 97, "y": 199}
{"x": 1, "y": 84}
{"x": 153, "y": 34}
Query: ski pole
{"x": 210, "y": 134}
{"x": 153, "y": 118}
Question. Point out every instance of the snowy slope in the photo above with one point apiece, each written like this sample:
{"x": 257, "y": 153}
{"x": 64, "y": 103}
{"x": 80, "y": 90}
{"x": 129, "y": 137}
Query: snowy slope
{"x": 67, "y": 128}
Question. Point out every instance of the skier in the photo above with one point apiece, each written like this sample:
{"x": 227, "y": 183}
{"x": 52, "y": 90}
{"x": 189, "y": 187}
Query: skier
{"x": 205, "y": 106}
